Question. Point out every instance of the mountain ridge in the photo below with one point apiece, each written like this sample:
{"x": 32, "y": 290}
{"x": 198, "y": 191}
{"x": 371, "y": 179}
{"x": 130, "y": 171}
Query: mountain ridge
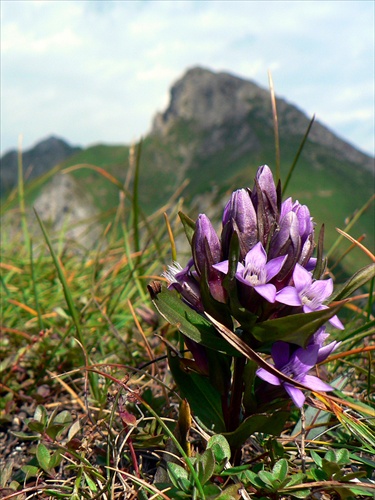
{"x": 216, "y": 130}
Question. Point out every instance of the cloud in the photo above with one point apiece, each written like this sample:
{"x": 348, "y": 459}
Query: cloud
{"x": 98, "y": 71}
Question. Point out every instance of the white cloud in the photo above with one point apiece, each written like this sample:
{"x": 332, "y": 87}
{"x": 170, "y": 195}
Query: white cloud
{"x": 98, "y": 71}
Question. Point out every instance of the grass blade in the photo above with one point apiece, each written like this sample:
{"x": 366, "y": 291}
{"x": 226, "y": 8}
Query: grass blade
{"x": 69, "y": 301}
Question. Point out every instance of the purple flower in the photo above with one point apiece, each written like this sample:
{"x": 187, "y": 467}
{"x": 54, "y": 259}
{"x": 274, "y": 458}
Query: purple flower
{"x": 256, "y": 272}
{"x": 207, "y": 251}
{"x": 286, "y": 241}
{"x": 295, "y": 365}
{"x": 308, "y": 293}
{"x": 319, "y": 338}
{"x": 206, "y": 244}
{"x": 265, "y": 201}
{"x": 239, "y": 215}
{"x": 184, "y": 281}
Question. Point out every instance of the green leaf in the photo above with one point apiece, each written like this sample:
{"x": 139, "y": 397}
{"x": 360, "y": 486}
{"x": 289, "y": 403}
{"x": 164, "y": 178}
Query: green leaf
{"x": 189, "y": 226}
{"x": 296, "y": 328}
{"x": 268, "y": 479}
{"x": 342, "y": 456}
{"x": 24, "y": 436}
{"x": 280, "y": 469}
{"x": 358, "y": 279}
{"x": 179, "y": 476}
{"x": 273, "y": 424}
{"x": 40, "y": 414}
{"x": 53, "y": 430}
{"x": 90, "y": 483}
{"x": 64, "y": 417}
{"x": 220, "y": 447}
{"x": 204, "y": 399}
{"x": 317, "y": 458}
{"x": 206, "y": 466}
{"x": 189, "y": 322}
{"x": 30, "y": 471}
{"x": 212, "y": 491}
{"x": 300, "y": 493}
{"x": 43, "y": 456}
{"x": 297, "y": 478}
{"x": 36, "y": 426}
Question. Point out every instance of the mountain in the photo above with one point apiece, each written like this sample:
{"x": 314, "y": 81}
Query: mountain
{"x": 216, "y": 130}
{"x": 36, "y": 161}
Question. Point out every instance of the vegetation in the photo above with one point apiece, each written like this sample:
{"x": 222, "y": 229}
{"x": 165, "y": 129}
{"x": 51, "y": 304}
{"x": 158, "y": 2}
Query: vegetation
{"x": 89, "y": 408}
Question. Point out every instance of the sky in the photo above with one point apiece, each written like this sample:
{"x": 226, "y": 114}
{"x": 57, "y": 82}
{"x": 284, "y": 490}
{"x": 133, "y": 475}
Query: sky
{"x": 98, "y": 71}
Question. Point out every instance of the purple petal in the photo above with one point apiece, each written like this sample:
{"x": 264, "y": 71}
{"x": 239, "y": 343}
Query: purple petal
{"x": 288, "y": 296}
{"x": 296, "y": 394}
{"x": 274, "y": 266}
{"x": 267, "y": 291}
{"x": 315, "y": 384}
{"x": 256, "y": 257}
{"x": 319, "y": 337}
{"x": 310, "y": 266}
{"x": 321, "y": 289}
{"x": 336, "y": 323}
{"x": 280, "y": 354}
{"x": 222, "y": 266}
{"x": 268, "y": 377}
{"x": 302, "y": 360}
{"x": 302, "y": 278}
{"x": 326, "y": 350}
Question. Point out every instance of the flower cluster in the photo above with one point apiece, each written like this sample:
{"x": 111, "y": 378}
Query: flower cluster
{"x": 262, "y": 266}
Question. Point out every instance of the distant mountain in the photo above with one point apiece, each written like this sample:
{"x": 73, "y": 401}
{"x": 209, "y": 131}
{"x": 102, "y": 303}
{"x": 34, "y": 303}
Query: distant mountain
{"x": 216, "y": 130}
{"x": 36, "y": 161}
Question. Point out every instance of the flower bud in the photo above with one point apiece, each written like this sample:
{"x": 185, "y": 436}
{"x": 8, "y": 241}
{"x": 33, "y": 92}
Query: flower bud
{"x": 206, "y": 252}
{"x": 239, "y": 216}
{"x": 286, "y": 241}
{"x": 264, "y": 198}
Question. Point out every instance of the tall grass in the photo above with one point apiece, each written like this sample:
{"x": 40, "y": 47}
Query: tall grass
{"x": 88, "y": 408}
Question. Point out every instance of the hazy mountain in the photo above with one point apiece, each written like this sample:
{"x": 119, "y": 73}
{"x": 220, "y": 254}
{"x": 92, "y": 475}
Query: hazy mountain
{"x": 36, "y": 161}
{"x": 216, "y": 130}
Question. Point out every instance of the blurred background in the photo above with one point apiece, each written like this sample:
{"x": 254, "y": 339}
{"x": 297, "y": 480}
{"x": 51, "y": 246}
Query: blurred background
{"x": 98, "y": 71}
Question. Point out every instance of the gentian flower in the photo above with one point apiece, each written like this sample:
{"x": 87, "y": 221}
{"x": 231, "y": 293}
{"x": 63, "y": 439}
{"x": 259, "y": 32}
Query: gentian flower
{"x": 319, "y": 338}
{"x": 308, "y": 293}
{"x": 295, "y": 365}
{"x": 184, "y": 281}
{"x": 256, "y": 272}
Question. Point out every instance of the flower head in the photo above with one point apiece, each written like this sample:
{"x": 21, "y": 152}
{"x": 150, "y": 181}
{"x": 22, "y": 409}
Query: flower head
{"x": 308, "y": 293}
{"x": 256, "y": 272}
{"x": 296, "y": 365}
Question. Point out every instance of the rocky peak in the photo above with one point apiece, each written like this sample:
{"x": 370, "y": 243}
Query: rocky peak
{"x": 209, "y": 99}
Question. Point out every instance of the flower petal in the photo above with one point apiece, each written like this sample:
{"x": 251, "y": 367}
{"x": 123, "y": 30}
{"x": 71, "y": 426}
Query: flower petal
{"x": 288, "y": 296}
{"x": 336, "y": 323}
{"x": 280, "y": 353}
{"x": 326, "y": 350}
{"x": 274, "y": 266}
{"x": 302, "y": 278}
{"x": 256, "y": 257}
{"x": 222, "y": 266}
{"x": 296, "y": 394}
{"x": 268, "y": 377}
{"x": 321, "y": 289}
{"x": 304, "y": 359}
{"x": 315, "y": 384}
{"x": 267, "y": 291}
